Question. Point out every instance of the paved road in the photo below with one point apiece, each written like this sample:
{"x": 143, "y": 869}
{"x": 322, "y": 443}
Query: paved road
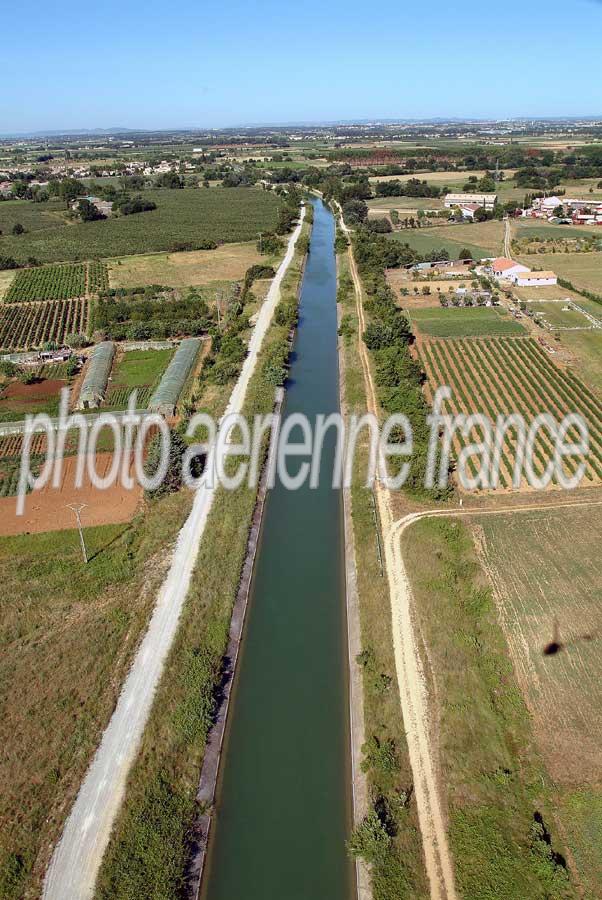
{"x": 77, "y": 857}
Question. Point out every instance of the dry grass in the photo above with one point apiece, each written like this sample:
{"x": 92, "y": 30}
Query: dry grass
{"x": 229, "y": 262}
{"x": 6, "y": 279}
{"x": 545, "y": 566}
{"x": 488, "y": 235}
{"x": 584, "y": 270}
{"x": 439, "y": 177}
{"x": 67, "y": 633}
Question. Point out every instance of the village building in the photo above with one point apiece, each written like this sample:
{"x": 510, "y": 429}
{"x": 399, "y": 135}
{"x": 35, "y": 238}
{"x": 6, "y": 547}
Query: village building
{"x": 534, "y": 279}
{"x": 485, "y": 201}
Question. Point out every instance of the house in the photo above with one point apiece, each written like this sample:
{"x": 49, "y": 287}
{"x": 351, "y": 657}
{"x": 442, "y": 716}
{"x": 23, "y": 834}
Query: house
{"x": 487, "y": 201}
{"x": 545, "y": 206}
{"x": 534, "y": 279}
{"x": 506, "y": 268}
{"x": 469, "y": 209}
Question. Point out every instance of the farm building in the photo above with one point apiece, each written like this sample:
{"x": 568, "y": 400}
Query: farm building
{"x": 506, "y": 268}
{"x": 487, "y": 201}
{"x": 97, "y": 376}
{"x": 534, "y": 279}
{"x": 165, "y": 397}
{"x": 103, "y": 206}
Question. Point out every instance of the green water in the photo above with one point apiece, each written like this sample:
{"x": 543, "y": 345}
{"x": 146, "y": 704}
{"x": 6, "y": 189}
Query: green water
{"x": 283, "y": 802}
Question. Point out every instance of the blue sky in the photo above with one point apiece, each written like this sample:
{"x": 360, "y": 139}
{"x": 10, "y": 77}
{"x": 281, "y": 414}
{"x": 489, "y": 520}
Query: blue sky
{"x": 158, "y": 65}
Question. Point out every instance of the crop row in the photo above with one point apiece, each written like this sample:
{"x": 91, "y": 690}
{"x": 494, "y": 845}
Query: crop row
{"x": 48, "y": 283}
{"x": 497, "y": 376}
{"x": 29, "y": 326}
{"x": 98, "y": 277}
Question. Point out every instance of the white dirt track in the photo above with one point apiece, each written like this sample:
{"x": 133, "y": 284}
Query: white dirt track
{"x": 77, "y": 857}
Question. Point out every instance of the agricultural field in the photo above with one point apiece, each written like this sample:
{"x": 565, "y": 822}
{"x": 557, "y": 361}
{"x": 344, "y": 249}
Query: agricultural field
{"x": 28, "y": 326}
{"x": 546, "y": 574}
{"x": 455, "y": 322}
{"x": 438, "y": 178}
{"x": 584, "y": 270}
{"x": 500, "y": 815}
{"x": 190, "y": 216}
{"x": 138, "y": 370}
{"x": 447, "y": 237}
{"x": 34, "y": 217}
{"x": 556, "y": 232}
{"x": 513, "y": 375}
{"x": 48, "y": 283}
{"x": 193, "y": 268}
{"x": 18, "y": 400}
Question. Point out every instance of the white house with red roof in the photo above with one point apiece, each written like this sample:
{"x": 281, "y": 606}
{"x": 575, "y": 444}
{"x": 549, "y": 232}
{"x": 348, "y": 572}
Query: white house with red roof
{"x": 506, "y": 268}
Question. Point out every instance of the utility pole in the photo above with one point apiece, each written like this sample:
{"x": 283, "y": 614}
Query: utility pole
{"x": 77, "y": 509}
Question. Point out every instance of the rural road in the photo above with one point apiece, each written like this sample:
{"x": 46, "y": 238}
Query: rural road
{"x": 507, "y": 239}
{"x": 77, "y": 857}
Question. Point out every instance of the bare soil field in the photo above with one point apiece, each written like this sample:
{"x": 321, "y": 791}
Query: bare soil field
{"x": 46, "y": 509}
{"x": 546, "y": 574}
{"x": 229, "y": 262}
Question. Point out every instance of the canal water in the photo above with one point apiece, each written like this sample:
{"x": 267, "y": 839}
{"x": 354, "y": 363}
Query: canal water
{"x": 283, "y": 801}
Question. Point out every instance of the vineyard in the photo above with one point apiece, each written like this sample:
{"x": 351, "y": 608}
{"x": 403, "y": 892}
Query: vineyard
{"x": 29, "y": 326}
{"x": 48, "y": 283}
{"x": 512, "y": 375}
{"x": 61, "y": 282}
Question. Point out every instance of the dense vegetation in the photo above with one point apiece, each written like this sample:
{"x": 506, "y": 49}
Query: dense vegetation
{"x": 48, "y": 283}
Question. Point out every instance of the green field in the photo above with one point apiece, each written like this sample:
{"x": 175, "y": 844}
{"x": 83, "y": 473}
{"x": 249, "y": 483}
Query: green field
{"x": 587, "y": 347}
{"x": 32, "y": 216}
{"x": 454, "y": 322}
{"x": 425, "y": 240}
{"x": 557, "y": 232}
{"x": 136, "y": 370}
{"x": 190, "y": 216}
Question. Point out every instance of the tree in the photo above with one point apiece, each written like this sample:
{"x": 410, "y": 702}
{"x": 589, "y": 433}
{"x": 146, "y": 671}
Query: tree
{"x": 465, "y": 254}
{"x": 18, "y": 228}
{"x": 88, "y": 212}
{"x": 174, "y": 475}
{"x": 558, "y": 211}
{"x": 70, "y": 188}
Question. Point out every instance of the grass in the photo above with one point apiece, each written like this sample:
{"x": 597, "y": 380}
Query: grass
{"x": 148, "y": 851}
{"x": 557, "y": 232}
{"x": 7, "y": 277}
{"x": 32, "y": 216}
{"x": 587, "y": 348}
{"x": 425, "y": 240}
{"x": 491, "y": 774}
{"x": 453, "y": 322}
{"x": 545, "y": 565}
{"x": 555, "y": 313}
{"x": 193, "y": 216}
{"x": 67, "y": 632}
{"x": 401, "y": 874}
{"x": 197, "y": 267}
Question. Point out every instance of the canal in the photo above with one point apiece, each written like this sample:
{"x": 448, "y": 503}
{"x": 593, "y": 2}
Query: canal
{"x": 283, "y": 801}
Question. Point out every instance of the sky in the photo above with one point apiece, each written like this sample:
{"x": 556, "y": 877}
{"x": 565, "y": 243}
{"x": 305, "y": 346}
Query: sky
{"x": 149, "y": 64}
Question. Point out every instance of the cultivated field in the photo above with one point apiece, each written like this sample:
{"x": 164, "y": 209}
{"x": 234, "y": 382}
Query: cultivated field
{"x": 545, "y": 568}
{"x": 26, "y": 326}
{"x": 197, "y": 267}
{"x": 587, "y": 349}
{"x": 507, "y": 375}
{"x": 466, "y": 322}
{"x": 48, "y": 283}
{"x": 6, "y": 279}
{"x": 136, "y": 370}
{"x": 190, "y": 216}
{"x": 557, "y": 315}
